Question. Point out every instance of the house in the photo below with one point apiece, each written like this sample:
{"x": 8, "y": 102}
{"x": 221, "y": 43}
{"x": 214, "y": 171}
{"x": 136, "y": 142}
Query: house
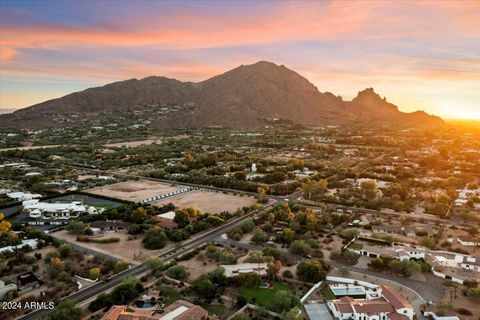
{"x": 390, "y": 306}
{"x": 22, "y": 196}
{"x": 467, "y": 241}
{"x": 28, "y": 281}
{"x": 179, "y": 310}
{"x": 32, "y": 243}
{"x": 58, "y": 210}
{"x": 6, "y": 288}
{"x": 103, "y": 226}
{"x": 245, "y": 268}
{"x": 184, "y": 310}
{"x": 401, "y": 253}
{"x": 398, "y": 230}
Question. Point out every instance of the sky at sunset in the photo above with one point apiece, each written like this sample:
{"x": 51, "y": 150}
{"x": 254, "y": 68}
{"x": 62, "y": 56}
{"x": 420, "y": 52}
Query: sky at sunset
{"x": 420, "y": 55}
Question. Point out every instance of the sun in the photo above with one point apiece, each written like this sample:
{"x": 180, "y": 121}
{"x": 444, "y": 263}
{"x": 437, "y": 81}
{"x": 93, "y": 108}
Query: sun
{"x": 460, "y": 112}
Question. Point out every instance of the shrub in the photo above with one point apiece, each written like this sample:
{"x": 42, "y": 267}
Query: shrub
{"x": 155, "y": 238}
{"x": 120, "y": 266}
{"x": 287, "y": 274}
{"x": 106, "y": 240}
{"x": 311, "y": 270}
{"x": 178, "y": 272}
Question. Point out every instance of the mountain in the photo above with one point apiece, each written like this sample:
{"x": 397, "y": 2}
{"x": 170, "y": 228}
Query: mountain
{"x": 237, "y": 98}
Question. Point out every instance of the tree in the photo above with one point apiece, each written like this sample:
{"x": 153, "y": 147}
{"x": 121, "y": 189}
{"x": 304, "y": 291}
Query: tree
{"x": 259, "y": 236}
{"x": 283, "y": 301}
{"x": 311, "y": 270}
{"x": 76, "y": 227}
{"x": 178, "y": 272}
{"x": 287, "y": 235}
{"x": 258, "y": 257}
{"x": 94, "y": 273}
{"x": 272, "y": 251}
{"x": 218, "y": 277}
{"x": 240, "y": 175}
{"x": 274, "y": 268}
{"x": 134, "y": 229}
{"x": 181, "y": 218}
{"x": 65, "y": 310}
{"x": 369, "y": 189}
{"x": 300, "y": 247}
{"x": 204, "y": 287}
{"x": 154, "y": 263}
{"x": 247, "y": 225}
{"x": 314, "y": 189}
{"x": 350, "y": 233}
{"x": 64, "y": 250}
{"x": 120, "y": 266}
{"x": 405, "y": 267}
{"x": 262, "y": 192}
{"x": 155, "y": 238}
{"x": 129, "y": 289}
{"x": 4, "y": 224}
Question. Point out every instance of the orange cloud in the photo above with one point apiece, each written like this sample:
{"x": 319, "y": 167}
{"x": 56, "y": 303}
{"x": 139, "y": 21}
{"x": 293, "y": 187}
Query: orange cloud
{"x": 290, "y": 21}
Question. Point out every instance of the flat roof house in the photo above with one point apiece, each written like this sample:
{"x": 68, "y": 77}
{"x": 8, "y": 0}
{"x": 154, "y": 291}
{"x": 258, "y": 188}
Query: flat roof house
{"x": 179, "y": 310}
{"x": 245, "y": 268}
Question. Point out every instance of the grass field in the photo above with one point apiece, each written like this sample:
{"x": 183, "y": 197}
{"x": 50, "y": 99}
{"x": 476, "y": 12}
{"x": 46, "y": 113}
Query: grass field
{"x": 262, "y": 296}
{"x": 215, "y": 308}
{"x": 328, "y": 294}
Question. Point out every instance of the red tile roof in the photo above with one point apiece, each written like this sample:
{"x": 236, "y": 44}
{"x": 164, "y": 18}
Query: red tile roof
{"x": 395, "y": 298}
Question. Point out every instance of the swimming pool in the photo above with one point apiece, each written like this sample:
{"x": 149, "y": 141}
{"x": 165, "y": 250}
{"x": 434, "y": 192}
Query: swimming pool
{"x": 350, "y": 291}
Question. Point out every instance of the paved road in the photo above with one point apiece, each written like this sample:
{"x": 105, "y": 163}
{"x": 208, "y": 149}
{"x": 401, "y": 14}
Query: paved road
{"x": 430, "y": 290}
{"x": 139, "y": 269}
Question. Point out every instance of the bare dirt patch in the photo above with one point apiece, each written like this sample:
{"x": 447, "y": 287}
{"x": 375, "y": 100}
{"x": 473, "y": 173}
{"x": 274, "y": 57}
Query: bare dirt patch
{"x": 129, "y": 250}
{"x": 130, "y": 144}
{"x": 208, "y": 201}
{"x": 135, "y": 190}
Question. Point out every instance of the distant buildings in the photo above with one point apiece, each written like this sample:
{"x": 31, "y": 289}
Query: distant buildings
{"x": 23, "y": 196}
{"x": 32, "y": 243}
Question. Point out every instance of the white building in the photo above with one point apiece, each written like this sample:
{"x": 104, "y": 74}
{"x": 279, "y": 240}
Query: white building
{"x": 22, "y": 196}
{"x": 33, "y": 243}
{"x": 467, "y": 241}
{"x": 57, "y": 210}
{"x": 245, "y": 268}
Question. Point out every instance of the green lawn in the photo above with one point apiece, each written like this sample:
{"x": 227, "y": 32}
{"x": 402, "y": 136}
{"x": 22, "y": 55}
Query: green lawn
{"x": 217, "y": 309}
{"x": 264, "y": 297}
{"x": 328, "y": 294}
